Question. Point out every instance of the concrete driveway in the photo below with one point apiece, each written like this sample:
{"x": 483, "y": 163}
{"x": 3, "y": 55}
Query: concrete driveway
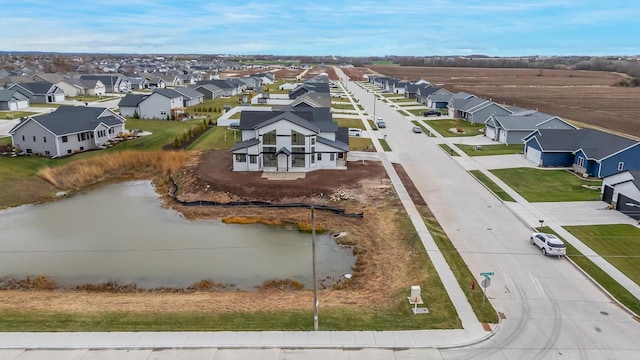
{"x": 503, "y": 161}
{"x": 6, "y": 125}
{"x": 583, "y": 213}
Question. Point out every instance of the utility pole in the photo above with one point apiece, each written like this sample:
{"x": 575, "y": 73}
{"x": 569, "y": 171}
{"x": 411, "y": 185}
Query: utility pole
{"x": 315, "y": 284}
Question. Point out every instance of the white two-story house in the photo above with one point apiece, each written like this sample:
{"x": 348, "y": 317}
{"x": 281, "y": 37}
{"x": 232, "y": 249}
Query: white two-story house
{"x": 298, "y": 141}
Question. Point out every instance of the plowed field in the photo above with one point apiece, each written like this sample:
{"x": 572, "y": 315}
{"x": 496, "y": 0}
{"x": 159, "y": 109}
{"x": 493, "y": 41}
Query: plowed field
{"x": 588, "y": 97}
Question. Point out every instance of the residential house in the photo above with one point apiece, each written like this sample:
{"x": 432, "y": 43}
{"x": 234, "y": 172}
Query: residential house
{"x": 422, "y": 93}
{"x": 13, "y": 100}
{"x": 227, "y": 88}
{"x": 172, "y": 80}
{"x": 587, "y": 151}
{"x": 155, "y": 82}
{"x": 266, "y": 78}
{"x": 440, "y": 99}
{"x": 209, "y": 91}
{"x": 40, "y": 92}
{"x": 311, "y": 99}
{"x": 67, "y": 130}
{"x": 161, "y": 104}
{"x": 190, "y": 96}
{"x": 398, "y": 87}
{"x": 138, "y": 83}
{"x": 129, "y": 105}
{"x": 511, "y": 129}
{"x": 297, "y": 141}
{"x": 113, "y": 83}
{"x": 48, "y": 77}
{"x": 77, "y": 87}
{"x": 622, "y": 191}
{"x": 475, "y": 110}
{"x": 307, "y": 87}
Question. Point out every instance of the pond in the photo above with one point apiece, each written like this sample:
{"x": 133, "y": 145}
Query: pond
{"x": 121, "y": 233}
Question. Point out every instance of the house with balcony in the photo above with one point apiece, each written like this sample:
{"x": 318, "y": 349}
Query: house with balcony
{"x": 299, "y": 140}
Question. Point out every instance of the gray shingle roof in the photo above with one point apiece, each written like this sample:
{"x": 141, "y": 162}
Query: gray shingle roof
{"x": 6, "y": 95}
{"x": 38, "y": 87}
{"x": 523, "y": 120}
{"x": 190, "y": 93}
{"x": 171, "y": 94}
{"x": 131, "y": 100}
{"x": 318, "y": 119}
{"x": 245, "y": 144}
{"x": 72, "y": 119}
{"x": 336, "y": 144}
{"x": 595, "y": 144}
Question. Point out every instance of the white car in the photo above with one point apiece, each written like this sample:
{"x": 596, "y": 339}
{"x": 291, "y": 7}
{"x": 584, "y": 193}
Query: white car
{"x": 549, "y": 244}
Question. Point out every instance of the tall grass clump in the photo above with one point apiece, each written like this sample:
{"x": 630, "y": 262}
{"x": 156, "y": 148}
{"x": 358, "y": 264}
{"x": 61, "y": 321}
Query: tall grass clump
{"x": 90, "y": 171}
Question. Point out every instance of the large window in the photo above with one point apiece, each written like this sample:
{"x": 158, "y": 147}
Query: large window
{"x": 297, "y": 160}
{"x": 269, "y": 138}
{"x": 297, "y": 138}
{"x": 253, "y": 159}
{"x": 241, "y": 158}
{"x": 269, "y": 156}
{"x": 65, "y": 139}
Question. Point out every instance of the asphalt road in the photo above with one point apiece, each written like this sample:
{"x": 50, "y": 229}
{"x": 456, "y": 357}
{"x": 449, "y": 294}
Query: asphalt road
{"x": 552, "y": 311}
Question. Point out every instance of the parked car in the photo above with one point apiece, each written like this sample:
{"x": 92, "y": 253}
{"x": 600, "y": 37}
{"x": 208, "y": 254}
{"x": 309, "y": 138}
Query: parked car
{"x": 234, "y": 125}
{"x": 549, "y": 244}
{"x": 431, "y": 113}
{"x": 380, "y": 123}
{"x": 417, "y": 129}
{"x": 355, "y": 132}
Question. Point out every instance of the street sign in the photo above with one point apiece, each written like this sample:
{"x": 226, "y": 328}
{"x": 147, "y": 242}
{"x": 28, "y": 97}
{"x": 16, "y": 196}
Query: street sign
{"x": 486, "y": 282}
{"x": 487, "y": 273}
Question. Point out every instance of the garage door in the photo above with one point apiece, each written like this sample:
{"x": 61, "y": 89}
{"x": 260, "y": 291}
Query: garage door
{"x": 628, "y": 206}
{"x": 534, "y": 155}
{"x": 23, "y": 104}
{"x": 490, "y": 132}
{"x": 503, "y": 136}
{"x": 607, "y": 196}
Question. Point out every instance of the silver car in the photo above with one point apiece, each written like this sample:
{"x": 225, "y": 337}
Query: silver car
{"x": 549, "y": 244}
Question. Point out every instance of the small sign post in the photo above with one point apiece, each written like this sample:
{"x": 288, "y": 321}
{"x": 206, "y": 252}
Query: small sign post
{"x": 485, "y": 284}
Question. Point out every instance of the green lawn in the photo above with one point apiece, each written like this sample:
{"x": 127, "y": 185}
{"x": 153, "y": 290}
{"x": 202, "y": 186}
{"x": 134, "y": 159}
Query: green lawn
{"x": 360, "y": 144}
{"x": 384, "y": 144}
{"x": 600, "y": 276}
{"x": 274, "y": 88}
{"x": 213, "y": 104}
{"x": 15, "y": 114}
{"x": 448, "y": 150}
{"x": 343, "y": 106}
{"x": 90, "y": 98}
{"x": 162, "y": 132}
{"x": 619, "y": 244}
{"x": 350, "y": 123}
{"x": 443, "y": 127}
{"x": 48, "y": 105}
{"x": 491, "y": 185}
{"x": 389, "y": 95}
{"x": 418, "y": 112}
{"x": 538, "y": 185}
{"x": 485, "y": 150}
{"x": 219, "y": 137}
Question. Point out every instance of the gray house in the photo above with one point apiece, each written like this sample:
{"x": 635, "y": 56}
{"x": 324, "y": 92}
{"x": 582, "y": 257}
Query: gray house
{"x": 210, "y": 91}
{"x": 511, "y": 129}
{"x": 112, "y": 83}
{"x": 474, "y": 109}
{"x": 40, "y": 92}
{"x": 68, "y": 130}
{"x": 190, "y": 96}
{"x": 12, "y": 100}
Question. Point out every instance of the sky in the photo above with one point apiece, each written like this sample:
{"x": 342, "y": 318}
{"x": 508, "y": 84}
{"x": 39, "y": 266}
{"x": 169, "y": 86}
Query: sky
{"x": 327, "y": 27}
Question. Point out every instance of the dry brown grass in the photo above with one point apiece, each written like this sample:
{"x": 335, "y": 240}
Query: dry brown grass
{"x": 90, "y": 171}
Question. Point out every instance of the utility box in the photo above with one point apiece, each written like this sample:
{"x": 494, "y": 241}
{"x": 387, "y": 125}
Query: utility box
{"x": 416, "y": 296}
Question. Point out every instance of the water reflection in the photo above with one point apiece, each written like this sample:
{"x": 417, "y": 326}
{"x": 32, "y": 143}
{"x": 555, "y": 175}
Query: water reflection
{"x": 121, "y": 233}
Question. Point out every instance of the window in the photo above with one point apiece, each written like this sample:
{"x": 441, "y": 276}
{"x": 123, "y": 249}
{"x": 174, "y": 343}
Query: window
{"x": 253, "y": 159}
{"x": 621, "y": 165}
{"x": 296, "y": 138}
{"x": 81, "y": 148}
{"x": 44, "y": 138}
{"x": 22, "y": 137}
{"x": 269, "y": 138}
{"x": 34, "y": 138}
{"x": 65, "y": 139}
{"x": 313, "y": 141}
{"x": 68, "y": 151}
{"x": 163, "y": 113}
{"x": 581, "y": 162}
{"x": 241, "y": 158}
{"x": 29, "y": 151}
{"x": 319, "y": 156}
{"x": 297, "y": 160}
{"x": 269, "y": 159}
{"x": 332, "y": 156}
{"x": 111, "y": 131}
{"x": 340, "y": 155}
{"x": 47, "y": 152}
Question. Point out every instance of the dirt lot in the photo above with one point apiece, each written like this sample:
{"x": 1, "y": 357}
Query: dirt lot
{"x": 383, "y": 268}
{"x": 589, "y": 97}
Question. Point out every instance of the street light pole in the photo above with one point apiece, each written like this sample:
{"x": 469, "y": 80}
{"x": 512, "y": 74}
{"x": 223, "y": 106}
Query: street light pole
{"x": 315, "y": 283}
{"x": 374, "y": 106}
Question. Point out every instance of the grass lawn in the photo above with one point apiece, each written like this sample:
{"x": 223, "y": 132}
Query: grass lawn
{"x": 619, "y": 244}
{"x": 538, "y": 185}
{"x": 443, "y": 126}
{"x": 343, "y": 106}
{"x": 219, "y": 137}
{"x": 389, "y": 95}
{"x": 417, "y": 112}
{"x": 491, "y": 185}
{"x": 162, "y": 132}
{"x": 360, "y": 144}
{"x": 15, "y": 114}
{"x": 613, "y": 287}
{"x": 350, "y": 123}
{"x": 274, "y": 88}
{"x": 372, "y": 124}
{"x": 48, "y": 105}
{"x": 384, "y": 144}
{"x": 90, "y": 98}
{"x": 213, "y": 105}
{"x": 491, "y": 149}
{"x": 448, "y": 150}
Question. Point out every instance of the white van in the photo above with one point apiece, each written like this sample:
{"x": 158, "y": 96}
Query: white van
{"x": 355, "y": 132}
{"x": 380, "y": 123}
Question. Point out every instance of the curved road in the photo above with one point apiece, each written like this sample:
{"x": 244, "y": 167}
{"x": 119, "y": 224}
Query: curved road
{"x": 552, "y": 310}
